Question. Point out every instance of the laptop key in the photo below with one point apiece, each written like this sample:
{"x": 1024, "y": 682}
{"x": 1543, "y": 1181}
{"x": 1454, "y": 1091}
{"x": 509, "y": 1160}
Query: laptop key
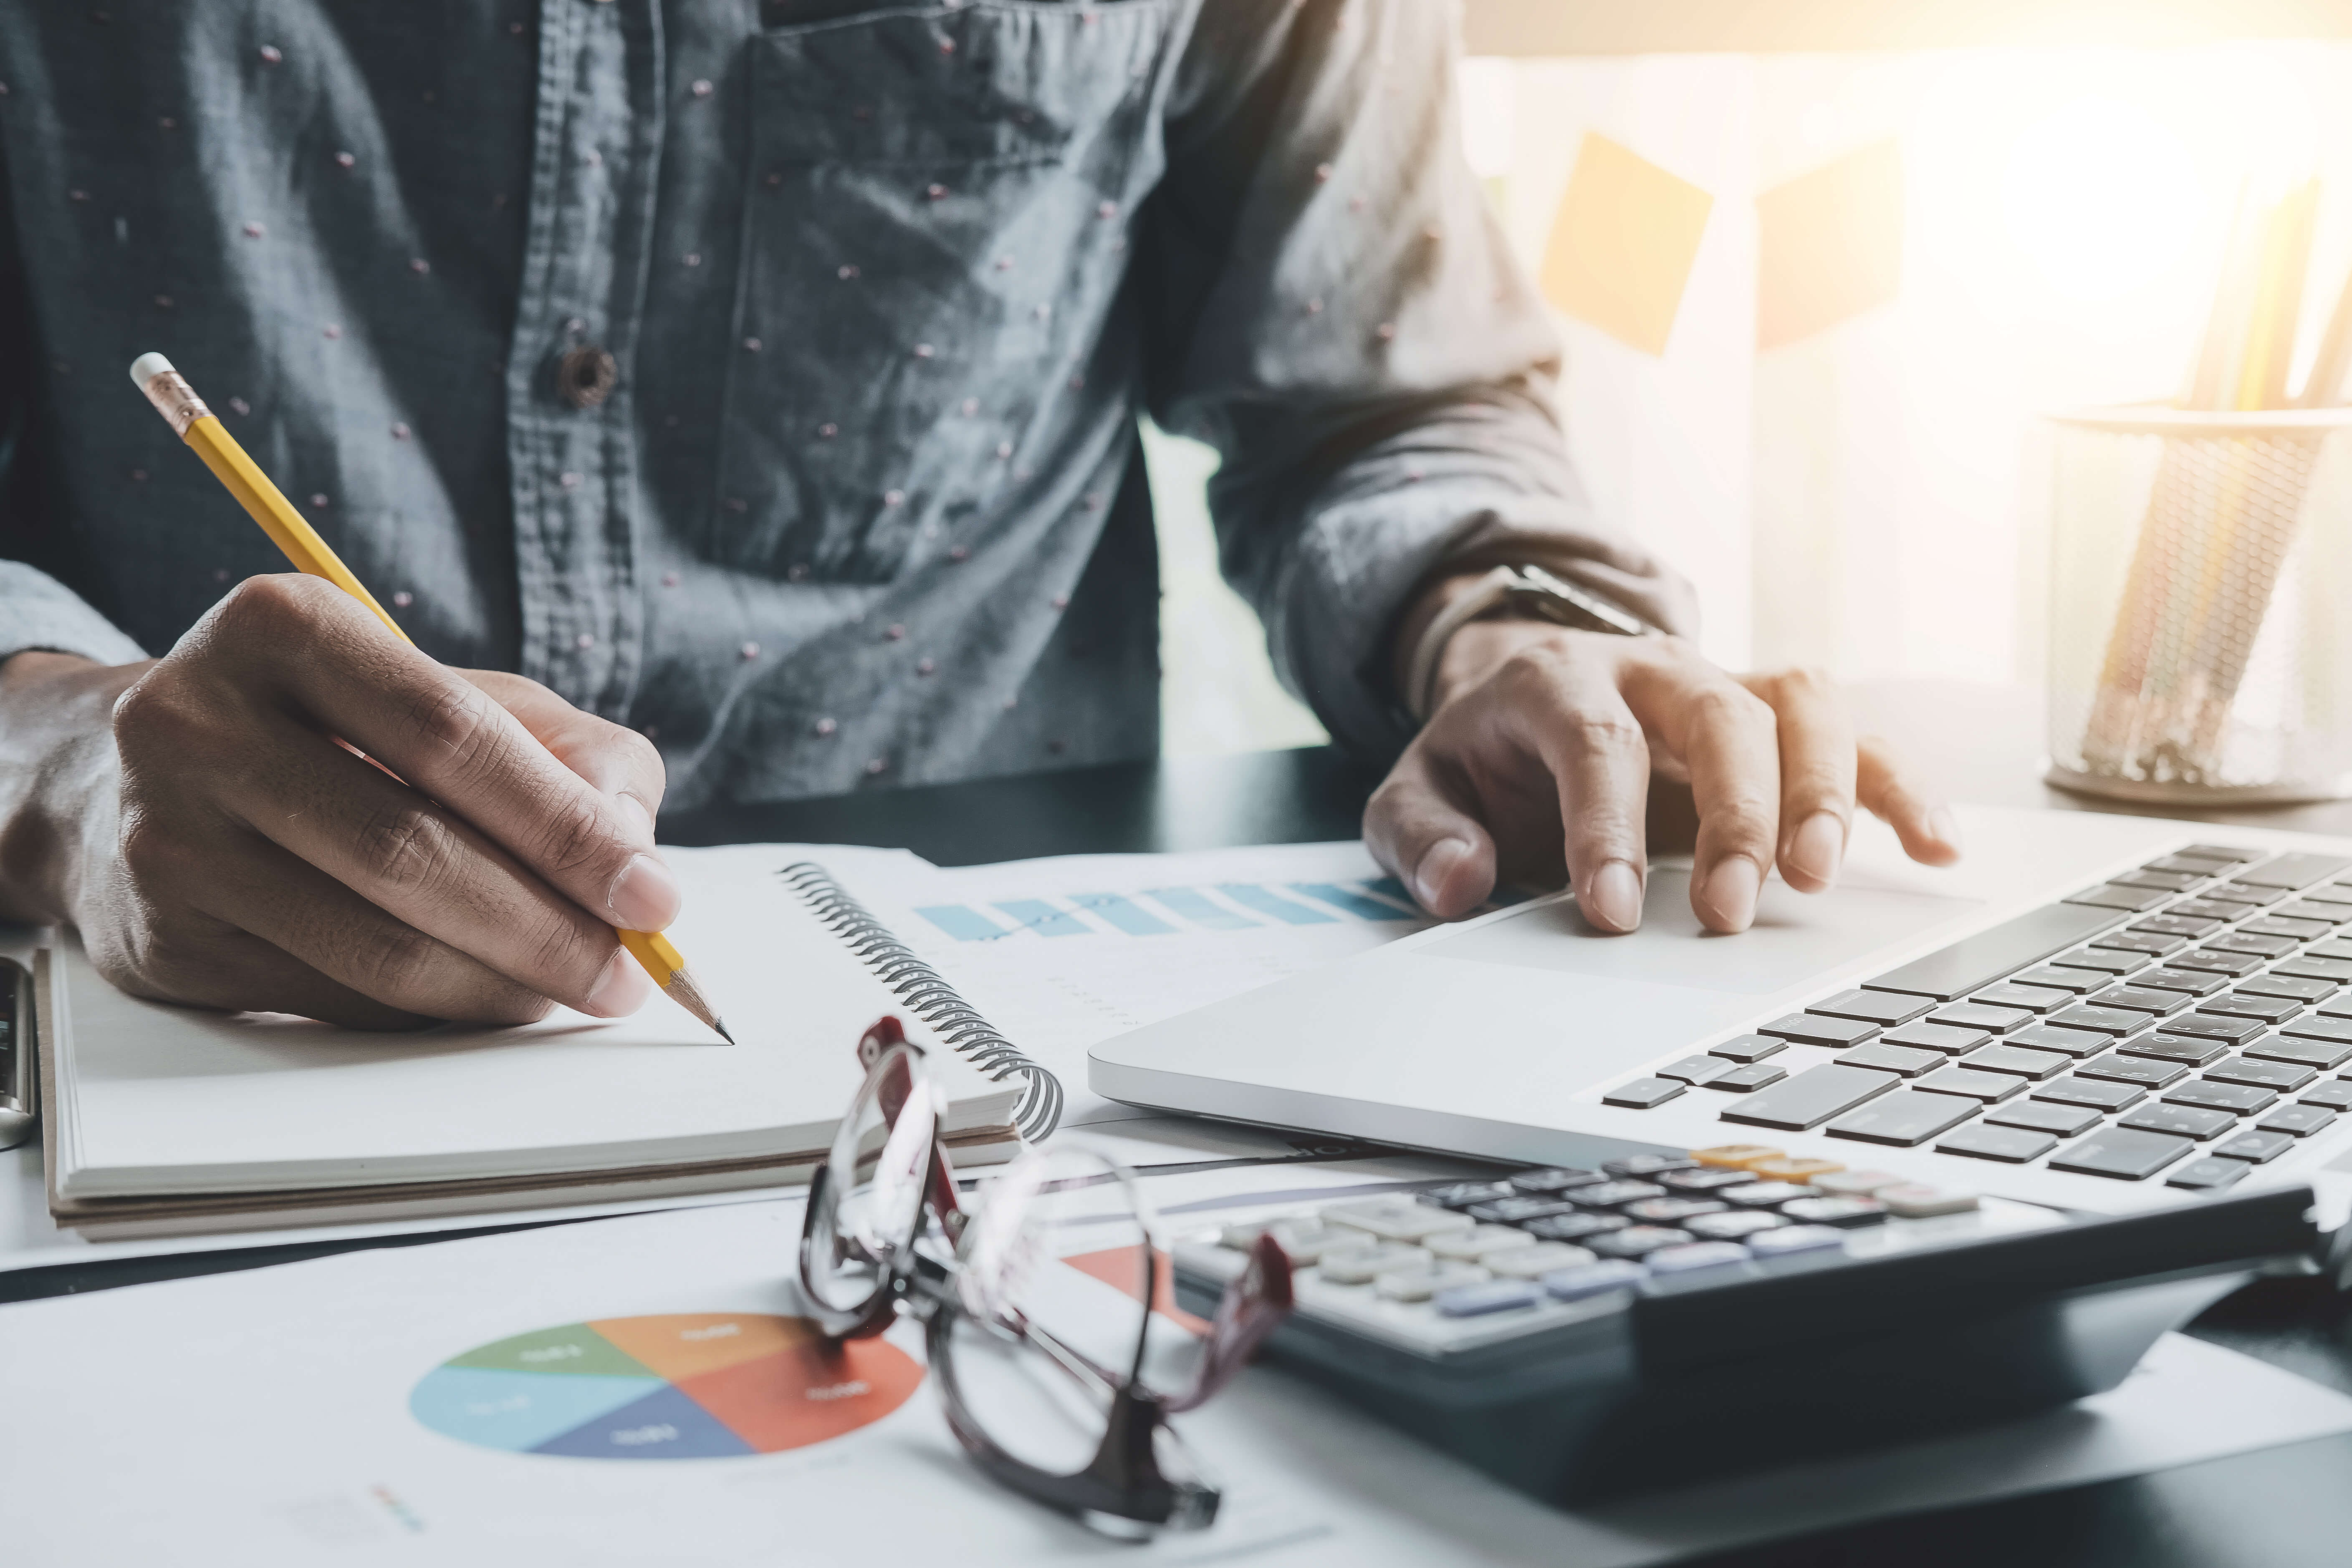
{"x": 2252, "y": 942}
{"x": 1904, "y": 1118}
{"x": 2033, "y": 998}
{"x": 1746, "y": 1049}
{"x": 2180, "y": 1120}
{"x": 1951, "y": 972}
{"x": 2242, "y": 897}
{"x": 2283, "y": 1077}
{"x": 2158, "y": 877}
{"x": 2334, "y": 914}
{"x": 2059, "y": 978}
{"x": 2337, "y": 948}
{"x": 2325, "y": 1054}
{"x": 2077, "y": 1043}
{"x": 2108, "y": 896}
{"x": 1811, "y": 1098}
{"x": 2228, "y": 853}
{"x": 2125, "y": 1154}
{"x": 2011, "y": 1145}
{"x": 2292, "y": 871}
{"x": 2242, "y": 1098}
{"x": 1642, "y": 1093}
{"x": 2332, "y": 892}
{"x": 2105, "y": 960}
{"x": 2188, "y": 981}
{"x": 2320, "y": 1026}
{"x": 1879, "y": 1057}
{"x": 2198, "y": 866}
{"x": 2141, "y": 999}
{"x": 2208, "y": 910}
{"x": 1884, "y": 1008}
{"x": 2293, "y": 930}
{"x": 2175, "y": 925}
{"x": 1695, "y": 1070}
{"x": 2335, "y": 1094}
{"x": 2185, "y": 1049}
{"x": 1984, "y": 1087}
{"x": 1743, "y": 1080}
{"x": 1947, "y": 1039}
{"x": 2141, "y": 1070}
{"x": 2214, "y": 1026}
{"x": 2296, "y": 1121}
{"x": 2099, "y": 1093}
{"x": 2258, "y": 1148}
{"x": 1815, "y": 1029}
{"x": 2295, "y": 987}
{"x": 2208, "y": 1175}
{"x": 2204, "y": 958}
{"x": 2044, "y": 1116}
{"x": 2017, "y": 1061}
{"x": 2106, "y": 1020}
{"x": 1976, "y": 1015}
{"x": 2155, "y": 943}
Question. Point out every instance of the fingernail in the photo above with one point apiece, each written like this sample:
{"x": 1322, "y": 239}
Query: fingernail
{"x": 1731, "y": 889}
{"x": 1817, "y": 846}
{"x": 1429, "y": 877}
{"x": 643, "y": 897}
{"x": 634, "y": 811}
{"x": 620, "y": 989}
{"x": 1945, "y": 826}
{"x": 1613, "y": 897}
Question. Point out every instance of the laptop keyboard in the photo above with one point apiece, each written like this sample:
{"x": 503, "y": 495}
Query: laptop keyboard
{"x": 2186, "y": 1020}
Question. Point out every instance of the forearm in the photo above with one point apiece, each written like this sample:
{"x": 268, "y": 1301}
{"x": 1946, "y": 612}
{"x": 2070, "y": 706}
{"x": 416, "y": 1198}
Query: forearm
{"x": 56, "y": 762}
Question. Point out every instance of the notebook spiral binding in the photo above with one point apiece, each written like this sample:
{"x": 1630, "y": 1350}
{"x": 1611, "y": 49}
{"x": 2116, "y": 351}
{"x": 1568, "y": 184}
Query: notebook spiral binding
{"x": 929, "y": 997}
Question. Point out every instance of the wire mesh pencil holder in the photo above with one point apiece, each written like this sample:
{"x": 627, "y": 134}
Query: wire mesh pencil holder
{"x": 2200, "y": 600}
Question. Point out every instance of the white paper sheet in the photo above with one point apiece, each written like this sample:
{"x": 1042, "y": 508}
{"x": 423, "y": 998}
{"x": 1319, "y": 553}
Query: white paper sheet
{"x": 263, "y": 1418}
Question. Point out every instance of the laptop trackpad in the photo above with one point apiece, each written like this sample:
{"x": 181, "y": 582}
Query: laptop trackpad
{"x": 1795, "y": 937}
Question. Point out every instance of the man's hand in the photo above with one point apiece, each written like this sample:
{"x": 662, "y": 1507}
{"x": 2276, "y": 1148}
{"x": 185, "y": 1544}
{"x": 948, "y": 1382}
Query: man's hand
{"x": 1544, "y": 746}
{"x": 197, "y": 818}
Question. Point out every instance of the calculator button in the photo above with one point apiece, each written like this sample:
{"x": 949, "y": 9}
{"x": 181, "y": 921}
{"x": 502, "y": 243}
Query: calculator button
{"x": 1749, "y": 1078}
{"x": 1794, "y": 1169}
{"x": 1638, "y": 1241}
{"x": 1881, "y": 1057}
{"x": 1642, "y": 1093}
{"x": 1495, "y": 1296}
{"x": 1737, "y": 1156}
{"x": 1815, "y": 1029}
{"x": 1609, "y": 1195}
{"x": 2182, "y": 1050}
{"x": 1518, "y": 1210}
{"x": 1572, "y": 1226}
{"x": 2188, "y": 981}
{"x": 1845, "y": 1213}
{"x": 1696, "y": 1183}
{"x": 2238, "y": 1004}
{"x": 1926, "y": 1036}
{"x": 2011, "y": 1145}
{"x": 2283, "y": 1077}
{"x": 2044, "y": 1116}
{"x": 1797, "y": 1238}
{"x": 1884, "y": 1008}
{"x": 1554, "y": 1179}
{"x": 1810, "y": 1099}
{"x": 2076, "y": 1089}
{"x": 2075, "y": 1043}
{"x": 2212, "y": 963}
{"x": 2016, "y": 1060}
{"x": 2334, "y": 1095}
{"x": 2122, "y": 1153}
{"x": 1733, "y": 1224}
{"x": 1420, "y": 1284}
{"x": 1532, "y": 1262}
{"x": 1696, "y": 1069}
{"x": 1594, "y": 1280}
{"x": 2296, "y": 1121}
{"x": 1904, "y": 1118}
{"x": 1764, "y": 1194}
{"x": 1670, "y": 1210}
{"x": 2256, "y": 1147}
{"x": 1747, "y": 1049}
{"x": 1855, "y": 1184}
{"x": 1642, "y": 1167}
{"x": 1360, "y": 1265}
{"x": 1916, "y": 1200}
{"x": 2180, "y": 1120}
{"x": 2321, "y": 1027}
{"x": 1306, "y": 1241}
{"x": 2147, "y": 1072}
{"x": 2243, "y": 1098}
{"x": 2323, "y": 1054}
{"x": 1976, "y": 1015}
{"x": 2292, "y": 986}
{"x": 2033, "y": 998}
{"x": 2100, "y": 960}
{"x": 1984, "y": 1087}
{"x": 1696, "y": 1258}
{"x": 1399, "y": 1219}
{"x": 2208, "y": 1175}
{"x": 1469, "y": 1246}
{"x": 2106, "y": 1020}
{"x": 1461, "y": 1195}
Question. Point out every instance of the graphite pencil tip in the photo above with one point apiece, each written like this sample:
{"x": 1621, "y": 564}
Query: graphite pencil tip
{"x": 683, "y": 991}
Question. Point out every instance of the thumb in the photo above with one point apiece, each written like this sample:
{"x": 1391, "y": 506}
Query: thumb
{"x": 1436, "y": 849}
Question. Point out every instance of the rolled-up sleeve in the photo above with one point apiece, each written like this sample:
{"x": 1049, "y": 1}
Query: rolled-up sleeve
{"x": 1331, "y": 305}
{"x": 36, "y": 611}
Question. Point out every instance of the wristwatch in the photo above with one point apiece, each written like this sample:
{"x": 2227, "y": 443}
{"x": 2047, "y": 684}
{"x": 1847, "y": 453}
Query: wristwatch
{"x": 1523, "y": 590}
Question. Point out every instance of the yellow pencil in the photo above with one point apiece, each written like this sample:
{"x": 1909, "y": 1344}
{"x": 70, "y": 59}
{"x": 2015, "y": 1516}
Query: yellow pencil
{"x": 173, "y": 398}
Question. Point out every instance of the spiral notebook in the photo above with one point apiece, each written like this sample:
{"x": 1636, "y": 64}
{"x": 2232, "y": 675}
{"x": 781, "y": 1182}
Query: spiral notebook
{"x": 168, "y": 1121}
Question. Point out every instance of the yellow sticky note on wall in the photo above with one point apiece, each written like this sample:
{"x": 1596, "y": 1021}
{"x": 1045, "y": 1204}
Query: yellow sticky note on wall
{"x": 1829, "y": 245}
{"x": 1623, "y": 245}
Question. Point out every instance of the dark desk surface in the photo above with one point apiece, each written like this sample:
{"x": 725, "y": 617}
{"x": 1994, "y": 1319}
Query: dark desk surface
{"x": 2281, "y": 1508}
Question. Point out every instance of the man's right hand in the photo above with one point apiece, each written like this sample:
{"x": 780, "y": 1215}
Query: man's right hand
{"x": 196, "y": 818}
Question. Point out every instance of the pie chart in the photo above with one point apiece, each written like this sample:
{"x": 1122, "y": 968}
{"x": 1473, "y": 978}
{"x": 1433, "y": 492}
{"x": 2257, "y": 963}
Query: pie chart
{"x": 682, "y": 1386}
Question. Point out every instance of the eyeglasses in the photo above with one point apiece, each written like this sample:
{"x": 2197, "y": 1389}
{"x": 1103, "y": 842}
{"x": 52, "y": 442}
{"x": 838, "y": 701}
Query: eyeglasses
{"x": 1056, "y": 1374}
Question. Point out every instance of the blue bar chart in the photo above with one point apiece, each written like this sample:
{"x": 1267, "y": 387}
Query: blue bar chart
{"x": 1227, "y": 907}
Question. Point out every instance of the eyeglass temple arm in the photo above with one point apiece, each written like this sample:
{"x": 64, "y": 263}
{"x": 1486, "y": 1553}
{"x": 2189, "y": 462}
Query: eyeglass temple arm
{"x": 1251, "y": 1309}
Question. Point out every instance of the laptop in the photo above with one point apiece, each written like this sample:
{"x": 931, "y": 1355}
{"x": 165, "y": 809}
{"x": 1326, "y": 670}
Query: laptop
{"x": 2093, "y": 1012}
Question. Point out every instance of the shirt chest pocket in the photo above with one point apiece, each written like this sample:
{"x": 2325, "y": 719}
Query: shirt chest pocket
{"x": 929, "y": 193}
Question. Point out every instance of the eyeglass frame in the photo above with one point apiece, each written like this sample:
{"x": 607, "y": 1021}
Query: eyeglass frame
{"x": 1125, "y": 1490}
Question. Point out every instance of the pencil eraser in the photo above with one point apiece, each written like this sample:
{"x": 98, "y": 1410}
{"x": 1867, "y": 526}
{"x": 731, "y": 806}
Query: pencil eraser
{"x": 147, "y": 367}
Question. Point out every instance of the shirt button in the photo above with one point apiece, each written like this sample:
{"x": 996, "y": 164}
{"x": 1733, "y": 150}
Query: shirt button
{"x": 586, "y": 375}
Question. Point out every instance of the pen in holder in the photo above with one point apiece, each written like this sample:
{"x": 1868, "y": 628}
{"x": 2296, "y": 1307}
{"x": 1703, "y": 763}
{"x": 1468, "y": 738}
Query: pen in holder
{"x": 2199, "y": 649}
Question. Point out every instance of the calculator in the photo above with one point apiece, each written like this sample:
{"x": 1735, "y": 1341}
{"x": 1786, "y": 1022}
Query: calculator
{"x": 1582, "y": 1332}
{"x": 19, "y": 1100}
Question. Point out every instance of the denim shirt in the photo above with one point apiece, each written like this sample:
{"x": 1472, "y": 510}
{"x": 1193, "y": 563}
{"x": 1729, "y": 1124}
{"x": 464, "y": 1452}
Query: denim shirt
{"x": 766, "y": 376}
